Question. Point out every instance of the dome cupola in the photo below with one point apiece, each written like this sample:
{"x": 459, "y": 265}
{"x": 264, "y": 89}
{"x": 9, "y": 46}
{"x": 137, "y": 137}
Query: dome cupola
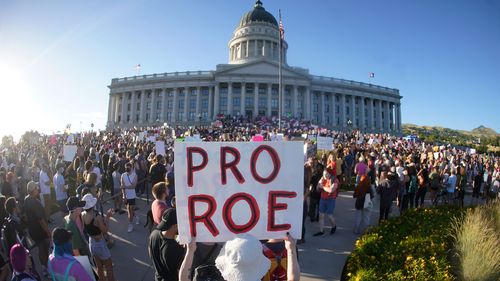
{"x": 256, "y": 37}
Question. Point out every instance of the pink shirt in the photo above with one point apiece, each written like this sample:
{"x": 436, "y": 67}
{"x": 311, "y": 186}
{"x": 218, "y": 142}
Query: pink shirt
{"x": 77, "y": 271}
{"x": 361, "y": 168}
{"x": 157, "y": 208}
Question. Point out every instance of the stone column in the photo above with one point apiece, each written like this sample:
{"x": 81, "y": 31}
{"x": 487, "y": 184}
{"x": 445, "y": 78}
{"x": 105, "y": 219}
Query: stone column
{"x": 229, "y": 98}
{"x": 398, "y": 110}
{"x": 152, "y": 117}
{"x": 242, "y": 99}
{"x": 132, "y": 108}
{"x": 370, "y": 114}
{"x": 163, "y": 104}
{"x": 386, "y": 115}
{"x": 343, "y": 121}
{"x": 307, "y": 103}
{"x": 210, "y": 103}
{"x": 362, "y": 113}
{"x": 353, "y": 111}
{"x": 142, "y": 107}
{"x": 379, "y": 116}
{"x": 116, "y": 101}
{"x": 216, "y": 100}
{"x": 321, "y": 107}
{"x": 186, "y": 101}
{"x": 269, "y": 97}
{"x": 255, "y": 99}
{"x": 176, "y": 104}
{"x": 198, "y": 102}
{"x": 124, "y": 108}
{"x": 295, "y": 101}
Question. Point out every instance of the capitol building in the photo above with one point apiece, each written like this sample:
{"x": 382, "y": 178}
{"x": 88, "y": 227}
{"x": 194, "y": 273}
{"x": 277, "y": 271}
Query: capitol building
{"x": 248, "y": 86}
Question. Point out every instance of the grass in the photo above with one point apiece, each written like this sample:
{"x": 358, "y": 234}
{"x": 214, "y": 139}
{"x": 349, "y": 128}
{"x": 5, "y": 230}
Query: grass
{"x": 477, "y": 244}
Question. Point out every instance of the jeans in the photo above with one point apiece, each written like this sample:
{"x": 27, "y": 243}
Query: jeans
{"x": 411, "y": 199}
{"x": 420, "y": 195}
{"x": 362, "y": 220}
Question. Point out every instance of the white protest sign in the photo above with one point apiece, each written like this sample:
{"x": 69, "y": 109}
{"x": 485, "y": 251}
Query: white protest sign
{"x": 472, "y": 151}
{"x": 227, "y": 188}
{"x": 69, "y": 152}
{"x": 70, "y": 139}
{"x": 276, "y": 137}
{"x": 160, "y": 148}
{"x": 325, "y": 143}
{"x": 84, "y": 261}
{"x": 370, "y": 141}
{"x": 192, "y": 139}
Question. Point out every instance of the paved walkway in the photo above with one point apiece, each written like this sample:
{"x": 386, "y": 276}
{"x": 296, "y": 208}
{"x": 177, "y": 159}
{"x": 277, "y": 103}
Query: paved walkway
{"x": 320, "y": 258}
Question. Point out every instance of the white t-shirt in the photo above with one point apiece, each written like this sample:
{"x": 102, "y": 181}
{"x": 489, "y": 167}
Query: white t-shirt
{"x": 128, "y": 180}
{"x": 98, "y": 173}
{"x": 44, "y": 188}
{"x": 59, "y": 187}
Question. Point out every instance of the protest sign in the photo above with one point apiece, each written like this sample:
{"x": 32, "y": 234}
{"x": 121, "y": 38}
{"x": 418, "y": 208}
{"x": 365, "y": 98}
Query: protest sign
{"x": 227, "y": 188}
{"x": 276, "y": 137}
{"x": 69, "y": 152}
{"x": 325, "y": 143}
{"x": 160, "y": 148}
{"x": 84, "y": 261}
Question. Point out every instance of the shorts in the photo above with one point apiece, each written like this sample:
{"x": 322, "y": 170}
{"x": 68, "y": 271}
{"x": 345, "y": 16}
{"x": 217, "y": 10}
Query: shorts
{"x": 130, "y": 202}
{"x": 99, "y": 249}
{"x": 326, "y": 206}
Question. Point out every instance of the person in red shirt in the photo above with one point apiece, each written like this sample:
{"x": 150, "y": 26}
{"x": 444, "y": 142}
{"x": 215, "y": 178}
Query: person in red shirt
{"x": 329, "y": 187}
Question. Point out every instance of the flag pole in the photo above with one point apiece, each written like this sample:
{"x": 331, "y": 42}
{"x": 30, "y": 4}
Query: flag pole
{"x": 280, "y": 78}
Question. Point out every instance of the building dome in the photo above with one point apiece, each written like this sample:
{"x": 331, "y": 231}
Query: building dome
{"x": 258, "y": 14}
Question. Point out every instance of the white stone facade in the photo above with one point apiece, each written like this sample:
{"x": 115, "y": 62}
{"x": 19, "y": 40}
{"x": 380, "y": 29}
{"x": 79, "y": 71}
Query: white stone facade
{"x": 248, "y": 86}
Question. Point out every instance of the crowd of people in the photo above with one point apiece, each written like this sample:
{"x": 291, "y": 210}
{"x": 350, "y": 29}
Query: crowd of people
{"x": 122, "y": 166}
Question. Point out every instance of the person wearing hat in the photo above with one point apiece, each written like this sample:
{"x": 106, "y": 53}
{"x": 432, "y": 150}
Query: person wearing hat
{"x": 62, "y": 264}
{"x": 73, "y": 222}
{"x": 166, "y": 253}
{"x": 18, "y": 260}
{"x": 96, "y": 227}
{"x": 37, "y": 223}
{"x": 329, "y": 188}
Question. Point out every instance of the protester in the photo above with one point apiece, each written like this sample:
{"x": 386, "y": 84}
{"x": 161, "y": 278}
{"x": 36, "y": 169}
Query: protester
{"x": 19, "y": 262}
{"x": 62, "y": 265}
{"x": 45, "y": 191}
{"x": 166, "y": 253}
{"x": 60, "y": 187}
{"x": 159, "y": 205}
{"x": 73, "y": 222}
{"x": 362, "y": 211}
{"x": 37, "y": 224}
{"x": 329, "y": 187}
{"x": 96, "y": 226}
{"x": 128, "y": 183}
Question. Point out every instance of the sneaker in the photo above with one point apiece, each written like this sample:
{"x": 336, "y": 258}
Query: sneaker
{"x": 130, "y": 228}
{"x": 136, "y": 219}
{"x": 332, "y": 231}
{"x": 321, "y": 233}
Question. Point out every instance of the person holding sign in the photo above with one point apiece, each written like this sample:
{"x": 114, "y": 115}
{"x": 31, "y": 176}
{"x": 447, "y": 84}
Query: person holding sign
{"x": 329, "y": 187}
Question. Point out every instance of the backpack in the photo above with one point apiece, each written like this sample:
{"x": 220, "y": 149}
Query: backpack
{"x": 22, "y": 276}
{"x": 278, "y": 269}
{"x": 60, "y": 277}
{"x": 207, "y": 272}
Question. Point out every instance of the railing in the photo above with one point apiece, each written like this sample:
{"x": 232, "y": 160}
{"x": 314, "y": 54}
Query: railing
{"x": 163, "y": 75}
{"x": 354, "y": 83}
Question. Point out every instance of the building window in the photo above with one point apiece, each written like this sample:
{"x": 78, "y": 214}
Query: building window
{"x": 204, "y": 91}
{"x": 248, "y": 101}
{"x": 194, "y": 92}
{"x": 138, "y": 106}
{"x": 223, "y": 101}
{"x": 137, "y": 118}
{"x": 128, "y": 107}
{"x": 169, "y": 116}
{"x": 288, "y": 103}
{"x": 147, "y": 117}
{"x": 149, "y": 95}
{"x": 128, "y": 118}
{"x": 222, "y": 91}
{"x": 236, "y": 101}
{"x": 347, "y": 110}
{"x": 192, "y": 103}
{"x": 139, "y": 95}
{"x": 170, "y": 93}
{"x": 262, "y": 91}
{"x": 158, "y": 116}
{"x": 181, "y": 93}
{"x": 158, "y": 105}
{"x": 299, "y": 103}
{"x": 315, "y": 107}
{"x": 274, "y": 91}
{"x": 262, "y": 102}
{"x": 204, "y": 103}
{"x": 249, "y": 90}
{"x": 204, "y": 115}
{"x": 119, "y": 118}
{"x": 274, "y": 103}
{"x": 327, "y": 108}
{"x": 170, "y": 104}
{"x": 191, "y": 116}
{"x": 181, "y": 104}
{"x": 148, "y": 105}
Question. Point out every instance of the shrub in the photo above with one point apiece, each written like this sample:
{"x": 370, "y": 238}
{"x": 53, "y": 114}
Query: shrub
{"x": 477, "y": 245}
{"x": 414, "y": 246}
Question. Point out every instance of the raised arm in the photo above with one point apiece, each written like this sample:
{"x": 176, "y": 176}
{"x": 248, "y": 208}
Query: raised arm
{"x": 292, "y": 268}
{"x": 187, "y": 263}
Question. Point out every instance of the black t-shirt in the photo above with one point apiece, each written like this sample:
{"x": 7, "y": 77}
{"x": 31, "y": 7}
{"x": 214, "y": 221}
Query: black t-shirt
{"x": 167, "y": 256}
{"x": 158, "y": 172}
{"x": 34, "y": 213}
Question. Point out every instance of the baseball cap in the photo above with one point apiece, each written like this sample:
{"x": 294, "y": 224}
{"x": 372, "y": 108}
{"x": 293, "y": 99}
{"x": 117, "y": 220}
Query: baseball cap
{"x": 168, "y": 219}
{"x": 73, "y": 203}
{"x": 61, "y": 236}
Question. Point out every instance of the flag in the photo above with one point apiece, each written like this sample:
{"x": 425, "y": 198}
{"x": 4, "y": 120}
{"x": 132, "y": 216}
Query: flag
{"x": 138, "y": 67}
{"x": 282, "y": 30}
{"x": 372, "y": 75}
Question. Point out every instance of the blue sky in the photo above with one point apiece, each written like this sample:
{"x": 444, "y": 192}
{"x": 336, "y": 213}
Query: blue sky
{"x": 57, "y": 57}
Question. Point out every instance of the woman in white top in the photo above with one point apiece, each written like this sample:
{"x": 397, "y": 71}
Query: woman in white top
{"x": 128, "y": 183}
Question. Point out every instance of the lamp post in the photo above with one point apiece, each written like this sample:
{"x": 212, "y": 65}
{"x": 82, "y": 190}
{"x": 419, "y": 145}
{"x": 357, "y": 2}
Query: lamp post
{"x": 349, "y": 124}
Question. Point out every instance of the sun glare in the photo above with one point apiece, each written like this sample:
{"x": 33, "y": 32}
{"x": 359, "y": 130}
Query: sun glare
{"x": 18, "y": 112}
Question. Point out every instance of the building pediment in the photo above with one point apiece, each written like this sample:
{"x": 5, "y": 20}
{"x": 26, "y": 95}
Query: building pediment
{"x": 261, "y": 68}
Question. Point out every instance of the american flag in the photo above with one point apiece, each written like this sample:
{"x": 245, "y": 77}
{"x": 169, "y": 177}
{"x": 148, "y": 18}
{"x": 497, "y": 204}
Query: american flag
{"x": 282, "y": 30}
{"x": 138, "y": 66}
{"x": 371, "y": 75}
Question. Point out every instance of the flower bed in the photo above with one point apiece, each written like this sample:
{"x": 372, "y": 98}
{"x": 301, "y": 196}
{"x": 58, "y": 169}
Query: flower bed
{"x": 415, "y": 246}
